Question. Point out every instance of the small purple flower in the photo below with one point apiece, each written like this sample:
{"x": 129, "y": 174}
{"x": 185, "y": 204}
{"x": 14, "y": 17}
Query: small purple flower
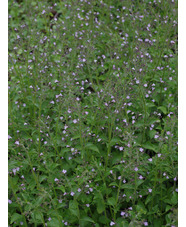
{"x": 150, "y": 190}
{"x": 79, "y": 189}
{"x": 112, "y": 223}
{"x": 137, "y": 81}
{"x": 64, "y": 171}
{"x": 17, "y": 142}
{"x": 122, "y": 213}
{"x": 9, "y": 201}
{"x": 141, "y": 149}
{"x": 56, "y": 179}
{"x": 150, "y": 159}
{"x": 74, "y": 121}
{"x": 49, "y": 219}
{"x": 72, "y": 193}
{"x": 136, "y": 169}
{"x": 145, "y": 223}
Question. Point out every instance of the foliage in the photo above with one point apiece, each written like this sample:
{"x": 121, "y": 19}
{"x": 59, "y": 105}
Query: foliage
{"x": 93, "y": 113}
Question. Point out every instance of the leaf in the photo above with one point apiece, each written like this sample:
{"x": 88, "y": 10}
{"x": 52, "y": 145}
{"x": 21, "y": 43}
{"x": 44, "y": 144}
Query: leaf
{"x": 15, "y": 217}
{"x": 73, "y": 207}
{"x": 88, "y": 219}
{"x": 114, "y": 141}
{"x": 100, "y": 206}
{"x": 53, "y": 223}
{"x": 152, "y": 133}
{"x": 168, "y": 208}
{"x": 76, "y": 137}
{"x": 174, "y": 198}
{"x": 148, "y": 104}
{"x": 113, "y": 184}
{"x": 148, "y": 199}
{"x": 61, "y": 188}
{"x": 111, "y": 201}
{"x": 127, "y": 186}
{"x": 103, "y": 220}
{"x": 42, "y": 178}
{"x": 148, "y": 145}
{"x": 13, "y": 164}
{"x": 92, "y": 147}
{"x": 38, "y": 216}
{"x": 163, "y": 109}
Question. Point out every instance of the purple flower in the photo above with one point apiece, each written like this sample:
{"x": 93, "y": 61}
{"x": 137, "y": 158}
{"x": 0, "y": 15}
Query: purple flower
{"x": 64, "y": 171}
{"x": 145, "y": 223}
{"x": 122, "y": 213}
{"x": 136, "y": 169}
{"x": 150, "y": 190}
{"x": 17, "y": 142}
{"x": 72, "y": 193}
{"x": 112, "y": 223}
{"x": 141, "y": 149}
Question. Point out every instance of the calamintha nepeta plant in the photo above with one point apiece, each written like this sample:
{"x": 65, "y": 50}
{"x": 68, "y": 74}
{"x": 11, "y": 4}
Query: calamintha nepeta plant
{"x": 93, "y": 113}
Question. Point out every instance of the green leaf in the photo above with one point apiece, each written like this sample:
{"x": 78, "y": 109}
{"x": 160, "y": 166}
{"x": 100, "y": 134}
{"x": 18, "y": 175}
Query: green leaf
{"x": 111, "y": 201}
{"x": 113, "y": 184}
{"x": 73, "y": 207}
{"x": 15, "y": 217}
{"x": 100, "y": 206}
{"x": 92, "y": 147}
{"x": 87, "y": 219}
{"x": 53, "y": 223}
{"x": 148, "y": 145}
{"x": 114, "y": 141}
{"x": 38, "y": 216}
{"x": 168, "y": 208}
{"x": 61, "y": 188}
{"x": 127, "y": 186}
{"x": 42, "y": 178}
{"x": 163, "y": 109}
{"x": 148, "y": 104}
{"x": 103, "y": 220}
{"x": 152, "y": 133}
{"x": 76, "y": 137}
{"x": 174, "y": 198}
{"x": 148, "y": 199}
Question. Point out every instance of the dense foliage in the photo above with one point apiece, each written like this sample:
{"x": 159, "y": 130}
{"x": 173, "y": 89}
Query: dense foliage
{"x": 93, "y": 113}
